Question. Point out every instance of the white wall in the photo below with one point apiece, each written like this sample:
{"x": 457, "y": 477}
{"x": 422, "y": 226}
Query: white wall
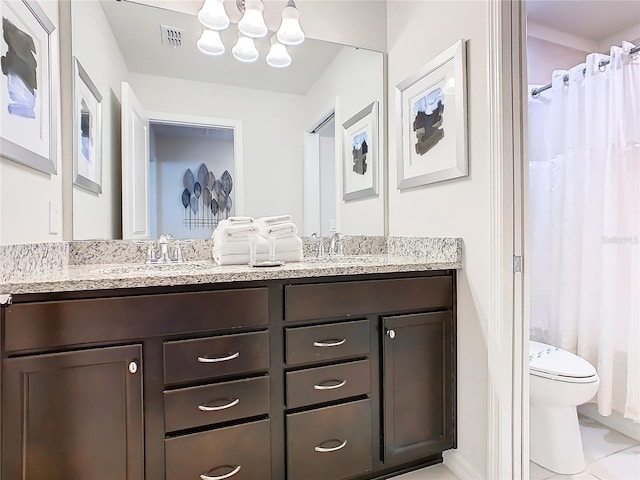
{"x": 175, "y": 154}
{"x": 93, "y": 44}
{"x": 543, "y": 57}
{"x": 25, "y": 193}
{"x": 272, "y": 135}
{"x": 418, "y": 31}
{"x": 350, "y": 86}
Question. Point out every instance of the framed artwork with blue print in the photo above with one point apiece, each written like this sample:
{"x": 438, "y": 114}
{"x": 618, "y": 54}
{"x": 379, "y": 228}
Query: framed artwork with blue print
{"x": 29, "y": 83}
{"x": 431, "y": 111}
{"x": 87, "y": 131}
{"x": 360, "y": 157}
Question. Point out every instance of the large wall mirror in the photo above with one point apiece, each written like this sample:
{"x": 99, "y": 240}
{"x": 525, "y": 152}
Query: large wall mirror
{"x": 186, "y": 130}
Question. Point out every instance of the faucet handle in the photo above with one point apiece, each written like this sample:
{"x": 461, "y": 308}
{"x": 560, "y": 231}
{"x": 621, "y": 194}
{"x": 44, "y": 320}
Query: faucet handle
{"x": 177, "y": 252}
{"x": 320, "y": 251}
{"x": 152, "y": 254}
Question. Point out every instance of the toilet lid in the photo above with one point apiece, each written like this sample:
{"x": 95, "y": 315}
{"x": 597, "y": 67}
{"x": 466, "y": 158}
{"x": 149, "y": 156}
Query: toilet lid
{"x": 553, "y": 362}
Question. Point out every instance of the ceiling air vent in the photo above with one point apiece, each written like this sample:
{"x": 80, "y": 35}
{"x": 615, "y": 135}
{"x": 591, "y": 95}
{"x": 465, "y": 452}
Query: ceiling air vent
{"x": 171, "y": 36}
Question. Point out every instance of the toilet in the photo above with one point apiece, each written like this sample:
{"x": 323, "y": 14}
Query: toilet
{"x": 559, "y": 381}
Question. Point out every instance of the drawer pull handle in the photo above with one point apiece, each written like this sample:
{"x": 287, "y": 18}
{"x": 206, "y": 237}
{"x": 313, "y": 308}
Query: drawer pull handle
{"x": 320, "y": 386}
{"x": 218, "y": 359}
{"x": 215, "y": 408}
{"x": 330, "y": 343}
{"x": 321, "y": 449}
{"x": 204, "y": 476}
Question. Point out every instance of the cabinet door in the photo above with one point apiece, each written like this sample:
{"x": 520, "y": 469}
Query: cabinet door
{"x": 418, "y": 385}
{"x": 73, "y": 415}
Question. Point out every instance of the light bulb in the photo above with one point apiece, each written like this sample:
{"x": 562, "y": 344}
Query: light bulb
{"x": 210, "y": 43}
{"x": 290, "y": 32}
{"x": 213, "y": 15}
{"x": 245, "y": 50}
{"x": 278, "y": 57}
{"x": 252, "y": 22}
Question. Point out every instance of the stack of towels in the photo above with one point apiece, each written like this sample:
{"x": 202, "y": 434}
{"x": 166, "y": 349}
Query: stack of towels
{"x": 232, "y": 239}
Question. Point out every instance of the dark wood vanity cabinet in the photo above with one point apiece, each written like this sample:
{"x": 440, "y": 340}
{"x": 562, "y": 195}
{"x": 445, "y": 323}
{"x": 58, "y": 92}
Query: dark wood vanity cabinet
{"x": 418, "y": 385}
{"x": 348, "y": 378}
{"x": 72, "y": 414}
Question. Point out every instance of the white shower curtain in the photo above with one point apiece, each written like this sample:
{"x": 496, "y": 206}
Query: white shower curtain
{"x": 584, "y": 159}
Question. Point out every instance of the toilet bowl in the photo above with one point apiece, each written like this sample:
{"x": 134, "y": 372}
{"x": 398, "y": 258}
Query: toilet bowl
{"x": 559, "y": 381}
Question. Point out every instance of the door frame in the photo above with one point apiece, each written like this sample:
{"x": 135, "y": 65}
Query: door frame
{"x": 311, "y": 189}
{"x": 211, "y": 122}
{"x": 508, "y": 331}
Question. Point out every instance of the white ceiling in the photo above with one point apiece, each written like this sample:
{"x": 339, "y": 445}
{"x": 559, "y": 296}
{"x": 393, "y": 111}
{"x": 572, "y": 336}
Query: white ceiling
{"x": 136, "y": 28}
{"x": 594, "y": 20}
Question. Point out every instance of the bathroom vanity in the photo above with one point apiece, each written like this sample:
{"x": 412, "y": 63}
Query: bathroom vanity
{"x": 323, "y": 375}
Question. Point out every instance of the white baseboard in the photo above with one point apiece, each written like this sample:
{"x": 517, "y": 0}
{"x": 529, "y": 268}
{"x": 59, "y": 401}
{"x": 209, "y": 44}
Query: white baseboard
{"x": 615, "y": 421}
{"x": 460, "y": 467}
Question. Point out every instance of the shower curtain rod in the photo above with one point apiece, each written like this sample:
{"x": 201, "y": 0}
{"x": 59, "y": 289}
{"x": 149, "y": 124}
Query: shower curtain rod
{"x": 536, "y": 91}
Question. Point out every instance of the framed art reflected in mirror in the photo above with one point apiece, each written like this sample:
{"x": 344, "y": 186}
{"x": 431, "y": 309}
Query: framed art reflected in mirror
{"x": 360, "y": 156}
{"x": 87, "y": 131}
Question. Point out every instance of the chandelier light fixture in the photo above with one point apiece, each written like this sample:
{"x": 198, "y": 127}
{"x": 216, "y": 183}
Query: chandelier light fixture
{"x": 214, "y": 19}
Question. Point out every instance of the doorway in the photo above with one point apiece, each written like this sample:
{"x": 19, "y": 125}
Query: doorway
{"x": 191, "y": 172}
{"x": 320, "y": 208}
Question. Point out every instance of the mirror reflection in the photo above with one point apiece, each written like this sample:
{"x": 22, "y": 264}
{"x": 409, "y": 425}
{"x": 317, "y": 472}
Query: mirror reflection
{"x": 168, "y": 110}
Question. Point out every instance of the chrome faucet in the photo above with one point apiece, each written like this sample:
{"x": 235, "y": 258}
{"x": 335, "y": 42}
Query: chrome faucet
{"x": 335, "y": 247}
{"x": 160, "y": 254}
{"x": 318, "y": 238}
{"x": 163, "y": 243}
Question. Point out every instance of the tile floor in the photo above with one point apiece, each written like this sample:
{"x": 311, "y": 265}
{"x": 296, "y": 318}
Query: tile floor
{"x": 609, "y": 455}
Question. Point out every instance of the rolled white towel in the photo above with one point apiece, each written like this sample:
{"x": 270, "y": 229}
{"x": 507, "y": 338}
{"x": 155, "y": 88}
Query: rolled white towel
{"x": 234, "y": 233}
{"x": 273, "y": 220}
{"x": 279, "y": 230}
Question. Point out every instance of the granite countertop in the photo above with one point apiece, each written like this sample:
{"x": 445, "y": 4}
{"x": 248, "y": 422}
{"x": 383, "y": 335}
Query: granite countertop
{"x": 100, "y": 277}
{"x": 396, "y": 255}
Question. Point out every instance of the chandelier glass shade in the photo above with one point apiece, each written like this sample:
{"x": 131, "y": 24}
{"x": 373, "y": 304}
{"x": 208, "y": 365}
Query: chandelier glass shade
{"x": 210, "y": 43}
{"x": 278, "y": 56}
{"x": 245, "y": 50}
{"x": 214, "y": 18}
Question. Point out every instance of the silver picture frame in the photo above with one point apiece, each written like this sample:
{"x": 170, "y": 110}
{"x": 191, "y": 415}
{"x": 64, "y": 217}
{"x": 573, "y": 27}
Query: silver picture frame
{"x": 360, "y": 176}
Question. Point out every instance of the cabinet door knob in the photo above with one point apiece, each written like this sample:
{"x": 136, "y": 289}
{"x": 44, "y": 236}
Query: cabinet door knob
{"x": 133, "y": 367}
{"x": 391, "y": 333}
{"x": 204, "y": 476}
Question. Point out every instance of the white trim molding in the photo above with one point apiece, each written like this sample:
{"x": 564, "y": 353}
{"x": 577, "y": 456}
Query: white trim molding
{"x": 506, "y": 429}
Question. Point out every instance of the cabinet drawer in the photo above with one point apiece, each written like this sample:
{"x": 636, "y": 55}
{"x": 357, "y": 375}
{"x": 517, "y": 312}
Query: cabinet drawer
{"x": 210, "y": 357}
{"x": 29, "y": 326}
{"x": 216, "y": 453}
{"x": 323, "y": 384}
{"x": 329, "y": 443}
{"x": 327, "y": 342}
{"x": 343, "y": 299}
{"x": 209, "y": 404}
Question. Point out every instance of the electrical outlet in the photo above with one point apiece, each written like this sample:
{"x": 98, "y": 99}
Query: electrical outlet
{"x": 53, "y": 219}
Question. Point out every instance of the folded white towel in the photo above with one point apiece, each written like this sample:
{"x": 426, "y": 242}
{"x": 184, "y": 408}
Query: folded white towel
{"x": 236, "y": 221}
{"x": 274, "y": 220}
{"x": 279, "y": 230}
{"x": 243, "y": 259}
{"x": 286, "y": 245}
{"x": 231, "y": 233}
